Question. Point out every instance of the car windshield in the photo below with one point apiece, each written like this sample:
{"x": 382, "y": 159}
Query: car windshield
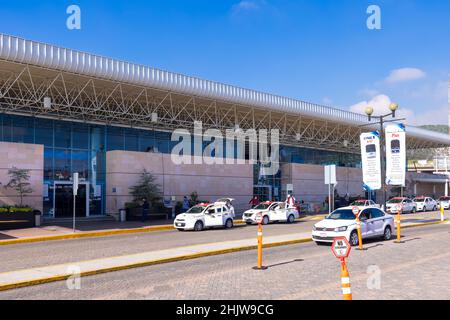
{"x": 196, "y": 209}
{"x": 444, "y": 198}
{"x": 342, "y": 214}
{"x": 262, "y": 206}
{"x": 395, "y": 201}
{"x": 359, "y": 203}
{"x": 419, "y": 200}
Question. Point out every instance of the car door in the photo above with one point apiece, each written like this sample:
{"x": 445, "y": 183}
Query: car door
{"x": 276, "y": 213}
{"x": 214, "y": 217}
{"x": 407, "y": 205}
{"x": 364, "y": 218}
{"x": 377, "y": 222}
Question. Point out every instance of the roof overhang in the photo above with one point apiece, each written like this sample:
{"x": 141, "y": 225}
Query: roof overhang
{"x": 92, "y": 88}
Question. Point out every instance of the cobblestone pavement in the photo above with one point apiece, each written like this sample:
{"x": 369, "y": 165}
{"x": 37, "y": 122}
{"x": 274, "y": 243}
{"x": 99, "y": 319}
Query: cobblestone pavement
{"x": 32, "y": 255}
{"x": 416, "y": 269}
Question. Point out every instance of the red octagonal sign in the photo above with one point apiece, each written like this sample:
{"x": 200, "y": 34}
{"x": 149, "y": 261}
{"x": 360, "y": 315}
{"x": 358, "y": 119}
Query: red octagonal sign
{"x": 341, "y": 248}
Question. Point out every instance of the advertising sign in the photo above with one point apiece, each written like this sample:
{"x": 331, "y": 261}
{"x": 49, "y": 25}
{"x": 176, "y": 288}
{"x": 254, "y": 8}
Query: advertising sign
{"x": 371, "y": 163}
{"x": 395, "y": 155}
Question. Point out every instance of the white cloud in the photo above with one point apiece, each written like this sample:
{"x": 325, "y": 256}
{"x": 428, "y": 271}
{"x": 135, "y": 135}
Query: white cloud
{"x": 245, "y": 5}
{"x": 404, "y": 74}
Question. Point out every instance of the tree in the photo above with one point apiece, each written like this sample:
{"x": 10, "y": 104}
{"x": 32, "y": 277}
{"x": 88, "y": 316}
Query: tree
{"x": 19, "y": 182}
{"x": 146, "y": 188}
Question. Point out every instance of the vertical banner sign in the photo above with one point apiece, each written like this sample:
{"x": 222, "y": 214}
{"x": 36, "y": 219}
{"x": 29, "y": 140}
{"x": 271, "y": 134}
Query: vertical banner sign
{"x": 371, "y": 163}
{"x": 395, "y": 155}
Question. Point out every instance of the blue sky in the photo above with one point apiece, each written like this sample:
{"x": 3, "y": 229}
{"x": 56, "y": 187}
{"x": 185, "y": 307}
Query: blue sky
{"x": 318, "y": 51}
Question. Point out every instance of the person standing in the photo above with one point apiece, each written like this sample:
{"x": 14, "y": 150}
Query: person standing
{"x": 254, "y": 201}
{"x": 290, "y": 201}
{"x": 185, "y": 204}
{"x": 145, "y": 209}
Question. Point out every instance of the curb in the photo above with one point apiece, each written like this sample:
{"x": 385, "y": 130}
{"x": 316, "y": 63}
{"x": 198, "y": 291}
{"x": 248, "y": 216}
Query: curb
{"x": 148, "y": 263}
{"x": 98, "y": 234}
{"x": 173, "y": 259}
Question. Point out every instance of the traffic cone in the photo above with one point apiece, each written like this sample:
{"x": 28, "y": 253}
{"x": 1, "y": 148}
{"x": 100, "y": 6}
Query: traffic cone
{"x": 345, "y": 279}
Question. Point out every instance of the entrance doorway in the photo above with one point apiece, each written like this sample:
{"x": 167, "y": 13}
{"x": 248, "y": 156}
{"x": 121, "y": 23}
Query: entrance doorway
{"x": 63, "y": 200}
{"x": 264, "y": 193}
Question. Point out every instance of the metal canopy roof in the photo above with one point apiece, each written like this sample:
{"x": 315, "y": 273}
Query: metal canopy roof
{"x": 52, "y": 70}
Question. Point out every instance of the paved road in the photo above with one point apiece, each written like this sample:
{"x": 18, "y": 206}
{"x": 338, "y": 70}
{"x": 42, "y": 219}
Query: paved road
{"x": 416, "y": 269}
{"x": 32, "y": 255}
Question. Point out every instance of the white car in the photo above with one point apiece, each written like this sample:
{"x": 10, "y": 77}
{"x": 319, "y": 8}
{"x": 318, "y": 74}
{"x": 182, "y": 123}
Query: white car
{"x": 425, "y": 204}
{"x": 407, "y": 205}
{"x": 272, "y": 212}
{"x": 342, "y": 223}
{"x": 444, "y": 202}
{"x": 365, "y": 203}
{"x": 205, "y": 216}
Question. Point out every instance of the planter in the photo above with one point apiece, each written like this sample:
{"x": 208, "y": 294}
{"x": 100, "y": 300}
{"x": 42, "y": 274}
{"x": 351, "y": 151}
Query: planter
{"x": 17, "y": 220}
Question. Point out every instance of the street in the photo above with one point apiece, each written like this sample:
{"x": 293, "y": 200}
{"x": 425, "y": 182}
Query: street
{"x": 296, "y": 272}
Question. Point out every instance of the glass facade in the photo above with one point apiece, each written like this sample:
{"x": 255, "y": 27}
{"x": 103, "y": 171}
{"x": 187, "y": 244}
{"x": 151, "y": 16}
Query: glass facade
{"x": 77, "y": 147}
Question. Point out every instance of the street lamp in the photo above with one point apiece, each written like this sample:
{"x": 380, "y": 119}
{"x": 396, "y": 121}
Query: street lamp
{"x": 393, "y": 107}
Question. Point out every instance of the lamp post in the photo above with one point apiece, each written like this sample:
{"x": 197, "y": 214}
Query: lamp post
{"x": 393, "y": 107}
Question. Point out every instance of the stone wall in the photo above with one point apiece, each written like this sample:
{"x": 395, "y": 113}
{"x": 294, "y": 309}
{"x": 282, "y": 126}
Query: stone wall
{"x": 211, "y": 182}
{"x": 22, "y": 156}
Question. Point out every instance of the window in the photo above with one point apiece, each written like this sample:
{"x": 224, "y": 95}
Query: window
{"x": 115, "y": 139}
{"x": 23, "y": 130}
{"x": 376, "y": 213}
{"x": 44, "y": 132}
{"x": 365, "y": 215}
{"x": 80, "y": 136}
{"x": 219, "y": 210}
{"x": 62, "y": 135}
{"x": 131, "y": 140}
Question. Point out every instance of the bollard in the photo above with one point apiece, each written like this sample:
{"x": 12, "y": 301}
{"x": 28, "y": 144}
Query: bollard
{"x": 398, "y": 223}
{"x": 442, "y": 214}
{"x": 358, "y": 228}
{"x": 260, "y": 246}
{"x": 345, "y": 279}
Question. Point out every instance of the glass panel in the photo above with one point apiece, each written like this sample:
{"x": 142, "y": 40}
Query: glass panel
{"x": 23, "y": 130}
{"x": 80, "y": 136}
{"x": 44, "y": 132}
{"x": 48, "y": 164}
{"x": 162, "y": 141}
{"x": 7, "y": 128}
{"x": 146, "y": 141}
{"x": 62, "y": 134}
{"x": 115, "y": 139}
{"x": 131, "y": 140}
{"x": 80, "y": 163}
{"x": 62, "y": 165}
{"x": 97, "y": 138}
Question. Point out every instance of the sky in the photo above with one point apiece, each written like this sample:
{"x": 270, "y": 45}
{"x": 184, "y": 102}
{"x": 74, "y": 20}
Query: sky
{"x": 320, "y": 51}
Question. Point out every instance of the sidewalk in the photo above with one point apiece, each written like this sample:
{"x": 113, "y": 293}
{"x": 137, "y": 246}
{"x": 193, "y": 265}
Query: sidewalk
{"x": 35, "y": 276}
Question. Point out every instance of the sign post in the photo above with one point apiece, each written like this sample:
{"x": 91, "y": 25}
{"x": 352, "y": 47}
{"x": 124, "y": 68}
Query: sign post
{"x": 330, "y": 180}
{"x": 357, "y": 213}
{"x": 341, "y": 249}
{"x": 75, "y": 193}
{"x": 398, "y": 223}
{"x": 442, "y": 213}
{"x": 259, "y": 220}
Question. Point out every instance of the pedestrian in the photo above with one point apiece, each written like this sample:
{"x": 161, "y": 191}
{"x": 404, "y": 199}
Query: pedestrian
{"x": 254, "y": 201}
{"x": 290, "y": 201}
{"x": 145, "y": 209}
{"x": 186, "y": 204}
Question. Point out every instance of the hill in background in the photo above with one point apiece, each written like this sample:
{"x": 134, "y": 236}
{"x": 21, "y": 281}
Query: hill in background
{"x": 436, "y": 127}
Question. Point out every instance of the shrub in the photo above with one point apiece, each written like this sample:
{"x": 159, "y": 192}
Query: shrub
{"x": 4, "y": 210}
{"x": 20, "y": 210}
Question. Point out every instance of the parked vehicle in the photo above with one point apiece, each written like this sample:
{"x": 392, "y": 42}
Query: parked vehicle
{"x": 272, "y": 212}
{"x": 443, "y": 202}
{"x": 205, "y": 215}
{"x": 425, "y": 204}
{"x": 342, "y": 223}
{"x": 365, "y": 203}
{"x": 408, "y": 206}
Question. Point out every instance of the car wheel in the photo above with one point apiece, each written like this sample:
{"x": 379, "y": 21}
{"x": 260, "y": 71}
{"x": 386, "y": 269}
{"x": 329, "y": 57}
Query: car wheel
{"x": 198, "y": 226}
{"x": 248, "y": 223}
{"x": 291, "y": 219}
{"x": 424, "y": 209}
{"x": 229, "y": 224}
{"x": 266, "y": 220}
{"x": 387, "y": 235}
{"x": 181, "y": 230}
{"x": 413, "y": 210}
{"x": 354, "y": 238}
{"x": 434, "y": 208}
